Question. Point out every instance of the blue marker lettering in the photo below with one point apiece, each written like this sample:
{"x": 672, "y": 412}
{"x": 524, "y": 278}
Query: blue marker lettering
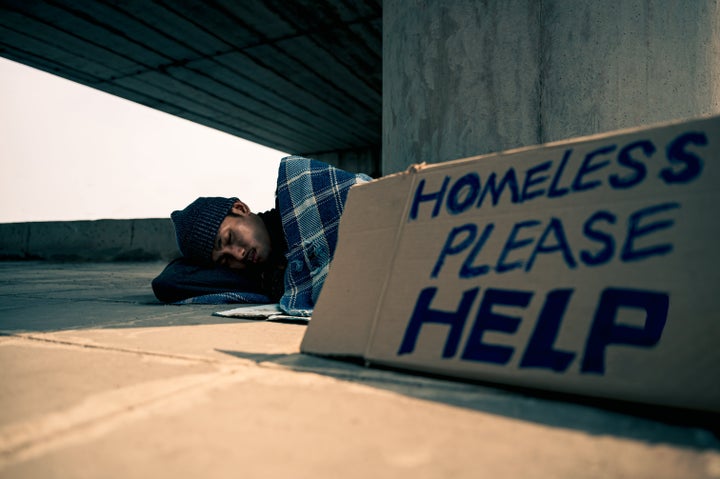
{"x": 450, "y": 248}
{"x": 587, "y": 167}
{"x": 508, "y": 181}
{"x": 561, "y": 244}
{"x": 437, "y": 196}
{"x": 475, "y": 349}
{"x": 458, "y": 202}
{"x": 531, "y": 179}
{"x": 626, "y": 159}
{"x": 605, "y": 254}
{"x": 635, "y": 230}
{"x": 554, "y": 191}
{"x": 676, "y": 154}
{"x": 469, "y": 270}
{"x": 539, "y": 352}
{"x": 512, "y": 244}
{"x": 605, "y": 331}
{"x": 423, "y": 314}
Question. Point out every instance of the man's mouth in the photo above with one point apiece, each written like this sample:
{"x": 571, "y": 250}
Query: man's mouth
{"x": 251, "y": 257}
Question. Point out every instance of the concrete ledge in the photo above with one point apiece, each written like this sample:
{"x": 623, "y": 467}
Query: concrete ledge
{"x": 101, "y": 240}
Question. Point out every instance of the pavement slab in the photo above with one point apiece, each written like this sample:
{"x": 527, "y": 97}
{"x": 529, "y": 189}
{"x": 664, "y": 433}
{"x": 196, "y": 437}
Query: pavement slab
{"x": 100, "y": 380}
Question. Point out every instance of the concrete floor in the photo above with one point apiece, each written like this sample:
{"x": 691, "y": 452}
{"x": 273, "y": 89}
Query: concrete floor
{"x": 99, "y": 380}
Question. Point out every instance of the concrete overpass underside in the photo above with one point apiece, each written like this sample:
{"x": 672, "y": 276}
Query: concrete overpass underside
{"x": 302, "y": 76}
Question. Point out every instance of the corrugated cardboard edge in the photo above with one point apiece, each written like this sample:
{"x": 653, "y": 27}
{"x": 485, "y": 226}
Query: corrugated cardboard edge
{"x": 412, "y": 174}
{"x": 342, "y": 319}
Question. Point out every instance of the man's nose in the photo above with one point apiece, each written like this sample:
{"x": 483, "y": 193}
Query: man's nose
{"x": 237, "y": 252}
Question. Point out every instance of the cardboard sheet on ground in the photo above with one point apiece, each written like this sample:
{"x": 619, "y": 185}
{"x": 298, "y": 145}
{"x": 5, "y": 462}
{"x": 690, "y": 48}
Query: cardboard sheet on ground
{"x": 267, "y": 312}
{"x": 589, "y": 266}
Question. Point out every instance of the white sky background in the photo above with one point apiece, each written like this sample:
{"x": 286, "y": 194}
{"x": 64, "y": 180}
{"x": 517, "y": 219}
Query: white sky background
{"x": 69, "y": 152}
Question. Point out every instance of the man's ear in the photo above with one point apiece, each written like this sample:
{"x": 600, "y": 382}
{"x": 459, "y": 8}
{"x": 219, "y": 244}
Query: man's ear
{"x": 240, "y": 208}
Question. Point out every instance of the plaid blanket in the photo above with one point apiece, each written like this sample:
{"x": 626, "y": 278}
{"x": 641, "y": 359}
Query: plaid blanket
{"x": 311, "y": 197}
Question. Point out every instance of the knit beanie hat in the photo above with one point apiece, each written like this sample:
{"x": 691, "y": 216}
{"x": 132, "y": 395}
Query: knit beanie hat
{"x": 197, "y": 225}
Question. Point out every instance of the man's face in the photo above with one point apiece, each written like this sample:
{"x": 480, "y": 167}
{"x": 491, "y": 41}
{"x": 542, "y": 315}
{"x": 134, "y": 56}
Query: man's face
{"x": 242, "y": 239}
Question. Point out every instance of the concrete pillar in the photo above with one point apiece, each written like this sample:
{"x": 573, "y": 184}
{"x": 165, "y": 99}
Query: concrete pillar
{"x": 468, "y": 77}
{"x": 361, "y": 160}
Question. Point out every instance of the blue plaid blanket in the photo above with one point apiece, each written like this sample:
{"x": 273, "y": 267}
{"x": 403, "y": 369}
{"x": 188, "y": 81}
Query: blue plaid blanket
{"x": 311, "y": 197}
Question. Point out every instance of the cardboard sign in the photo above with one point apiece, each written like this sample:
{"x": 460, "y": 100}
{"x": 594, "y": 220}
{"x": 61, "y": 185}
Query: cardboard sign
{"x": 588, "y": 266}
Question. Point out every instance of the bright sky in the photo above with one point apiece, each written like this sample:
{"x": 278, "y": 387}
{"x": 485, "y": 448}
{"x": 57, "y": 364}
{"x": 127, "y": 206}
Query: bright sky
{"x": 69, "y": 152}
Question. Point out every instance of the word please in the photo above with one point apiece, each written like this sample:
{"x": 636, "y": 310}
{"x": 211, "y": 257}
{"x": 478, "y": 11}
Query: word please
{"x": 527, "y": 240}
{"x": 540, "y": 351}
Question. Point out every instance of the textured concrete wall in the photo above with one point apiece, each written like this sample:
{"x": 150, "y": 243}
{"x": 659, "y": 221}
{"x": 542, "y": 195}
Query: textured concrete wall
{"x": 362, "y": 160}
{"x": 467, "y": 77}
{"x": 103, "y": 240}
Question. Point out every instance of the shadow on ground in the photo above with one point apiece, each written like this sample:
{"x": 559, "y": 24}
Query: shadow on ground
{"x": 46, "y": 297}
{"x": 654, "y": 425}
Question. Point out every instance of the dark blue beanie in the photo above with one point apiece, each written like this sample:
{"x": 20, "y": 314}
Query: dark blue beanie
{"x": 197, "y": 225}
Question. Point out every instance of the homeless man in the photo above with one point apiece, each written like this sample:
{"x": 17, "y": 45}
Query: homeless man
{"x": 232, "y": 255}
